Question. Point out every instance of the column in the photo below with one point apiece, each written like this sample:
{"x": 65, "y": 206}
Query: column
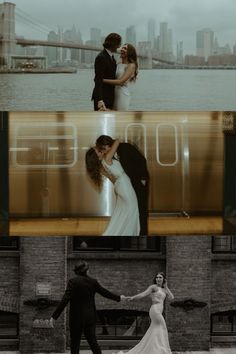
{"x": 42, "y": 284}
{"x": 189, "y": 278}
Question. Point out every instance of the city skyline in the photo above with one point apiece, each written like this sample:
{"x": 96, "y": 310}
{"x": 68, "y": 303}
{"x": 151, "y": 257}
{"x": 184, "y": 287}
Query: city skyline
{"x": 185, "y": 19}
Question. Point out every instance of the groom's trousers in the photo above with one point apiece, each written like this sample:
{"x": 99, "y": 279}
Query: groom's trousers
{"x": 142, "y": 193}
{"x": 76, "y": 331}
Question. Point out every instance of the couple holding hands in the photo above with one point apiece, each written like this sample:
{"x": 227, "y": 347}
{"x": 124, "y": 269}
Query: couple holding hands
{"x": 80, "y": 293}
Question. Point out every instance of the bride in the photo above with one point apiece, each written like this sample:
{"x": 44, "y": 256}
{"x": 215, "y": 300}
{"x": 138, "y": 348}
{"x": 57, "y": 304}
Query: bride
{"x": 155, "y": 340}
{"x": 126, "y": 73}
{"x": 125, "y": 217}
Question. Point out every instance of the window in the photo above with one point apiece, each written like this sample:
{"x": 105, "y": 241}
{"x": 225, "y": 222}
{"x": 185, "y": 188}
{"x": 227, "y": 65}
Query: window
{"x": 112, "y": 243}
{"x": 121, "y": 323}
{"x": 224, "y": 323}
{"x": 8, "y": 325}
{"x": 9, "y": 243}
{"x": 224, "y": 244}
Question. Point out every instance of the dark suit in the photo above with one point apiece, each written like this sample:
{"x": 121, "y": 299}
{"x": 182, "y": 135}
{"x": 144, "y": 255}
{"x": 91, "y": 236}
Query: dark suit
{"x": 135, "y": 166}
{"x": 80, "y": 292}
{"x": 105, "y": 68}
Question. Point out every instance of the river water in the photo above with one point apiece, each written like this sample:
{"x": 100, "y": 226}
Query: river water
{"x": 155, "y": 90}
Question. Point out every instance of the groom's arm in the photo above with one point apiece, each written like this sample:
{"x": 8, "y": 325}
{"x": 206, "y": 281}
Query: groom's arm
{"x": 106, "y": 293}
{"x": 64, "y": 301}
{"x": 99, "y": 75}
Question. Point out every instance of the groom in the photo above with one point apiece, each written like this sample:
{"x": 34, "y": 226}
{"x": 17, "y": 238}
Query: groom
{"x": 80, "y": 292}
{"x": 135, "y": 166}
{"x": 105, "y": 68}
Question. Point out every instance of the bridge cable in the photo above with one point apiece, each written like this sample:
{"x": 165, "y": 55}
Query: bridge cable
{"x": 31, "y": 22}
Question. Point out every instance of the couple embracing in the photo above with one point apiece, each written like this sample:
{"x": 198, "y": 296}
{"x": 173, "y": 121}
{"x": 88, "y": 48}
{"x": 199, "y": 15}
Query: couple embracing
{"x": 126, "y": 167}
{"x": 112, "y": 80}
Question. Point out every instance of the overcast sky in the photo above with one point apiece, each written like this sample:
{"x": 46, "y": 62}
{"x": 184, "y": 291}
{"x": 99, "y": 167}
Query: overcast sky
{"x": 184, "y": 17}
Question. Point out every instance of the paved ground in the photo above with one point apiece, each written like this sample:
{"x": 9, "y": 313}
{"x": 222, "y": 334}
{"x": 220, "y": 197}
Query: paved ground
{"x": 212, "y": 351}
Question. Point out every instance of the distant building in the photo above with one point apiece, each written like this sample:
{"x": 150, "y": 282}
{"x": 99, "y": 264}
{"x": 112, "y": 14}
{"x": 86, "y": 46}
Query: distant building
{"x": 165, "y": 42}
{"x": 234, "y": 49}
{"x": 179, "y": 52}
{"x": 204, "y": 43}
{"x": 131, "y": 35}
{"x": 52, "y": 52}
{"x": 223, "y": 60}
{"x": 95, "y": 36}
{"x": 194, "y": 60}
{"x": 151, "y": 31}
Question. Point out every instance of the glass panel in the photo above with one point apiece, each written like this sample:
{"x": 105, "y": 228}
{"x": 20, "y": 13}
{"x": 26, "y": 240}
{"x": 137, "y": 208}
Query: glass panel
{"x": 221, "y": 243}
{"x": 93, "y": 243}
{"x": 9, "y": 243}
{"x": 221, "y": 324}
{"x": 8, "y": 325}
{"x": 44, "y": 145}
{"x": 140, "y": 243}
{"x": 233, "y": 243}
{"x": 234, "y": 324}
{"x": 169, "y": 167}
{"x": 116, "y": 243}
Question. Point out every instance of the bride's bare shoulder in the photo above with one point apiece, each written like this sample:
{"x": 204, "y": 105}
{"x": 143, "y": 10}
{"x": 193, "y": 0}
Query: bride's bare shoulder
{"x": 153, "y": 288}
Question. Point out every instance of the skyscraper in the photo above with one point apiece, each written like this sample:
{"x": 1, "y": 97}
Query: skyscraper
{"x": 204, "y": 43}
{"x": 165, "y": 42}
{"x": 52, "y": 52}
{"x": 163, "y": 38}
{"x": 131, "y": 35}
{"x": 180, "y": 55}
{"x": 151, "y": 31}
{"x": 95, "y": 36}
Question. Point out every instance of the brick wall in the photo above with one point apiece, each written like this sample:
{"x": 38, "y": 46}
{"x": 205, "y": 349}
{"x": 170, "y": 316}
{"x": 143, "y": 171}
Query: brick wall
{"x": 42, "y": 261}
{"x": 223, "y": 286}
{"x": 189, "y": 276}
{"x": 192, "y": 272}
{"x": 9, "y": 280}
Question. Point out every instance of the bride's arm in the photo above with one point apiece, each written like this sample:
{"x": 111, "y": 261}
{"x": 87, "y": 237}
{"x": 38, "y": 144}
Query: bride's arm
{"x": 147, "y": 292}
{"x": 168, "y": 292}
{"x": 126, "y": 76}
{"x": 112, "y": 151}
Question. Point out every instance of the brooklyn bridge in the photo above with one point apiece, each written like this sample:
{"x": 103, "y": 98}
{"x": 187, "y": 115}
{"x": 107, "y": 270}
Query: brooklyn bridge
{"x": 9, "y": 40}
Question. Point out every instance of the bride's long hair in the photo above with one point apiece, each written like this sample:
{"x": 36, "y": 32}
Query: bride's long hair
{"x": 132, "y": 58}
{"x": 94, "y": 167}
{"x": 164, "y": 278}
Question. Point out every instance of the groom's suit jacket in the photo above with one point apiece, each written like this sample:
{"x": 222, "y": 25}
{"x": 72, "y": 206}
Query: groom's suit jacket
{"x": 105, "y": 68}
{"x": 80, "y": 293}
{"x": 135, "y": 166}
{"x": 133, "y": 162}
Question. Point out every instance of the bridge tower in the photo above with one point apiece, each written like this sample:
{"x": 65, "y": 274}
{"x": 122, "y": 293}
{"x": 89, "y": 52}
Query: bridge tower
{"x": 7, "y": 33}
{"x": 145, "y": 52}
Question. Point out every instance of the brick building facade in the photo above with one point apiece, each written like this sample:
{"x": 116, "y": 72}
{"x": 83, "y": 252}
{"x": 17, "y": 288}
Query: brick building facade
{"x": 201, "y": 272}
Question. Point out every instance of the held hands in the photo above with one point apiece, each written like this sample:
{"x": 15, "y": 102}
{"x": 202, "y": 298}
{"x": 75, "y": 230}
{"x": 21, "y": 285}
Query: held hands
{"x": 101, "y": 106}
{"x": 124, "y": 298}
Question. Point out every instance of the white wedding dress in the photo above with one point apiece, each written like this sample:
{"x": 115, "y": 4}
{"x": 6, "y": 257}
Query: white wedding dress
{"x": 122, "y": 93}
{"x": 155, "y": 340}
{"x": 125, "y": 217}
